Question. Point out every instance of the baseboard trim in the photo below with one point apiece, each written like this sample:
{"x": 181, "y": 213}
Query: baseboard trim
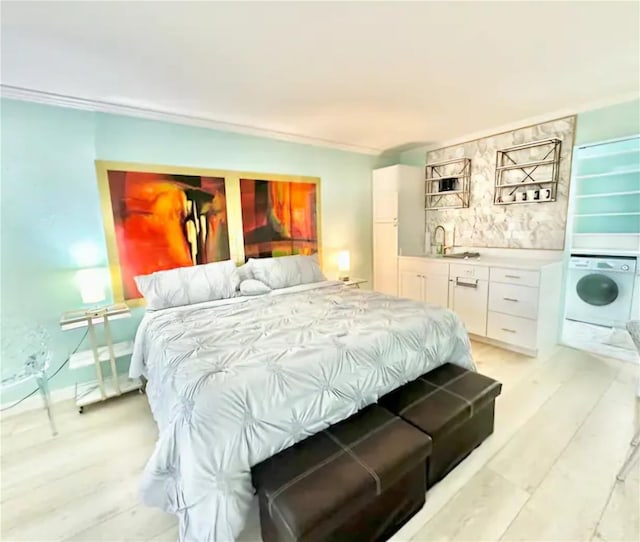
{"x": 504, "y": 346}
{"x": 35, "y": 401}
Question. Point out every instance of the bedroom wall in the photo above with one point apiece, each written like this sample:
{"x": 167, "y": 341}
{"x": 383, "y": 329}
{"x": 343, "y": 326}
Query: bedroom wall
{"x": 50, "y": 204}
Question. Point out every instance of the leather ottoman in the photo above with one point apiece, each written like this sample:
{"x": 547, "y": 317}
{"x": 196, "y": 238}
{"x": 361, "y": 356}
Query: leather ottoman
{"x": 358, "y": 480}
{"x": 455, "y": 407}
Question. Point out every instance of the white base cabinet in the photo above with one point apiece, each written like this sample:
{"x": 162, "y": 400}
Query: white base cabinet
{"x": 517, "y": 309}
{"x": 421, "y": 279}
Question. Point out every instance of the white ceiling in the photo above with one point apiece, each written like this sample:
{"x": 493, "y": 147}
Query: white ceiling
{"x": 372, "y": 75}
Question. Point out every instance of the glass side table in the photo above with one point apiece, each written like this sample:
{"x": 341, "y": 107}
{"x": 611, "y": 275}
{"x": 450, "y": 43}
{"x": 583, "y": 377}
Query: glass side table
{"x": 32, "y": 346}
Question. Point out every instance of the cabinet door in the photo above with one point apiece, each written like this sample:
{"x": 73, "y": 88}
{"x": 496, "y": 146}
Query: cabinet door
{"x": 437, "y": 290}
{"x": 411, "y": 285}
{"x": 385, "y": 258}
{"x": 385, "y": 195}
{"x": 469, "y": 301}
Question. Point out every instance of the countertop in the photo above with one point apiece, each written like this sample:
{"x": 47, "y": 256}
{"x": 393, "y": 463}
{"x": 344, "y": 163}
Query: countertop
{"x": 492, "y": 261}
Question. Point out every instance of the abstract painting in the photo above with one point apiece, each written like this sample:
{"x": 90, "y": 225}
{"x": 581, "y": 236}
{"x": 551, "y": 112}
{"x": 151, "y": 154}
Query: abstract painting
{"x": 279, "y": 218}
{"x": 163, "y": 221}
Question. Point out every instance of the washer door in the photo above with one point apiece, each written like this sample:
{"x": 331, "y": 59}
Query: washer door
{"x": 597, "y": 290}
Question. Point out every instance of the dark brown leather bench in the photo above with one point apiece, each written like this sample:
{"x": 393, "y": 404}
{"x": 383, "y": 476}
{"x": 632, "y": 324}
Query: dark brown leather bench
{"x": 359, "y": 480}
{"x": 455, "y": 407}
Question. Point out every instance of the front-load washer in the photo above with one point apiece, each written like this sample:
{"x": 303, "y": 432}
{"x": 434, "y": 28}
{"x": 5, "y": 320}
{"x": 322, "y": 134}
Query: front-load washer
{"x": 600, "y": 289}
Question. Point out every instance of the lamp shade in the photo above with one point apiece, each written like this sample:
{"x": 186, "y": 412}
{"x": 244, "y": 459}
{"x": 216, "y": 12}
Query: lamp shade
{"x": 91, "y": 283}
{"x": 343, "y": 260}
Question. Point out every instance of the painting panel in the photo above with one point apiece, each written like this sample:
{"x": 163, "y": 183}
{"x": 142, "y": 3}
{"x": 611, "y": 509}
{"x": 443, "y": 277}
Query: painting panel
{"x": 279, "y": 218}
{"x": 163, "y": 221}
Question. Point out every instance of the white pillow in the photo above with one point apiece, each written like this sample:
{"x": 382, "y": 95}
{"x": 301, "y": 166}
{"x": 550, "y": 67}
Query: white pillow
{"x": 245, "y": 272}
{"x": 187, "y": 285}
{"x": 253, "y": 287}
{"x": 286, "y": 271}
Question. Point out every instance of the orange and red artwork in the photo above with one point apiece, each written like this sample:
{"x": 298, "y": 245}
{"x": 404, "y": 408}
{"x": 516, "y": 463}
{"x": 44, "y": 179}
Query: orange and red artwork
{"x": 278, "y": 218}
{"x": 163, "y": 221}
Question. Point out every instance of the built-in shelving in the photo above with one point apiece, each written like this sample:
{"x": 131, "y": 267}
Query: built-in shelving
{"x": 525, "y": 167}
{"x": 606, "y": 194}
{"x": 610, "y": 194}
{"x": 447, "y": 184}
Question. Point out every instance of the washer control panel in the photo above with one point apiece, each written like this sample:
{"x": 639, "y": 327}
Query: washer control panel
{"x": 595, "y": 263}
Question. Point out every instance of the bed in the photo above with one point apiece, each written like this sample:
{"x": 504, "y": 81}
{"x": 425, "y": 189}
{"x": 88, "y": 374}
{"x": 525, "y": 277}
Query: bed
{"x": 234, "y": 381}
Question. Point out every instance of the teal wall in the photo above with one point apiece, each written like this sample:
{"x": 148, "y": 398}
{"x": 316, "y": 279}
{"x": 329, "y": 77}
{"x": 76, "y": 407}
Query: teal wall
{"x": 613, "y": 122}
{"x": 50, "y": 203}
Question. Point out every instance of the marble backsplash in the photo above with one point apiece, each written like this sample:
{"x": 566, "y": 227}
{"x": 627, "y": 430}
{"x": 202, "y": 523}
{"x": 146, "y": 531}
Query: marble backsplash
{"x": 529, "y": 226}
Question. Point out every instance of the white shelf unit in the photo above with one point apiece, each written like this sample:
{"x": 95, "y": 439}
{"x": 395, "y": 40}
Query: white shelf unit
{"x": 605, "y": 191}
{"x": 89, "y": 393}
{"x": 456, "y": 171}
{"x": 85, "y": 358}
{"x": 516, "y": 170}
{"x": 103, "y": 387}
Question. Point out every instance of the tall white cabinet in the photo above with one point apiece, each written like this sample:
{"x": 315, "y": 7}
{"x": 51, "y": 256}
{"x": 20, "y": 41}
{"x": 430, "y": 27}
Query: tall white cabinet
{"x": 398, "y": 222}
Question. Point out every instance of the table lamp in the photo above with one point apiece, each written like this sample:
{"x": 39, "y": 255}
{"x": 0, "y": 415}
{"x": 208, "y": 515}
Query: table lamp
{"x": 343, "y": 265}
{"x": 91, "y": 283}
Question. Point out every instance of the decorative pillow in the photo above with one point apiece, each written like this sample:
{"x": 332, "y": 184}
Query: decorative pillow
{"x": 187, "y": 285}
{"x": 245, "y": 272}
{"x": 286, "y": 271}
{"x": 253, "y": 287}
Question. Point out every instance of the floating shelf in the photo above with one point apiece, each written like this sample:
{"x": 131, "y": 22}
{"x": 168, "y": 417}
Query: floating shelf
{"x": 608, "y": 174}
{"x": 610, "y": 194}
{"x": 458, "y": 171}
{"x": 606, "y": 214}
{"x": 508, "y": 162}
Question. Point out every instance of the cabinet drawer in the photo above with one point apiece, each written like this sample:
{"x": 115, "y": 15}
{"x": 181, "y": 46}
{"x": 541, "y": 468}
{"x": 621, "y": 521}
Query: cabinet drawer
{"x": 513, "y": 299}
{"x": 511, "y": 329}
{"x": 471, "y": 271}
{"x": 515, "y": 276}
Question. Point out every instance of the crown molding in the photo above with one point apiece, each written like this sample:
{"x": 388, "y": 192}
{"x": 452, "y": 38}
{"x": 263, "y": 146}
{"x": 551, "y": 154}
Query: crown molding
{"x": 531, "y": 121}
{"x": 61, "y": 100}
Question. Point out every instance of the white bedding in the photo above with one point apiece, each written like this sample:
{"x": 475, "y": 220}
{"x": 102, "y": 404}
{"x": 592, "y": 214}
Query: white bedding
{"x": 234, "y": 381}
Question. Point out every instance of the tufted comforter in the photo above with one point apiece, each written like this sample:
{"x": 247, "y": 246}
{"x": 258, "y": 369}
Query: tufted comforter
{"x": 231, "y": 383}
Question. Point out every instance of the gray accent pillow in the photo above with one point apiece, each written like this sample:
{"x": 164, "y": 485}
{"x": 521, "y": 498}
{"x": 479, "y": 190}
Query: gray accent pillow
{"x": 287, "y": 271}
{"x": 253, "y": 287}
{"x": 188, "y": 285}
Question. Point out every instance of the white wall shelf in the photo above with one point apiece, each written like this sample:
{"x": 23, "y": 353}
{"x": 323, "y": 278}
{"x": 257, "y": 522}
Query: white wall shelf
{"x": 608, "y": 174}
{"x": 607, "y": 214}
{"x": 609, "y": 194}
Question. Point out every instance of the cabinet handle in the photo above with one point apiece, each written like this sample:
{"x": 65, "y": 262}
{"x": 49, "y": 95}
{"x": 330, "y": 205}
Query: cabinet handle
{"x": 510, "y": 299}
{"x": 508, "y": 330}
{"x": 513, "y": 276}
{"x": 466, "y": 284}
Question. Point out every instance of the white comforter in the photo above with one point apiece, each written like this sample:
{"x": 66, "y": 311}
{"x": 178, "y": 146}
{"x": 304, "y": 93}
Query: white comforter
{"x": 232, "y": 383}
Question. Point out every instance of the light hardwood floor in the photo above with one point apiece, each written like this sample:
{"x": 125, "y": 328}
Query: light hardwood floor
{"x": 563, "y": 426}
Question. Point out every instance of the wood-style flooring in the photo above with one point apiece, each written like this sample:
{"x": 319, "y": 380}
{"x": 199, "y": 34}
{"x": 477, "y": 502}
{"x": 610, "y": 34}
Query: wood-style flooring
{"x": 548, "y": 473}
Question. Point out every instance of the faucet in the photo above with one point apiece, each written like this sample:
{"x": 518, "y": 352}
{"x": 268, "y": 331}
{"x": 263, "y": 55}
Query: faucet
{"x": 441, "y": 248}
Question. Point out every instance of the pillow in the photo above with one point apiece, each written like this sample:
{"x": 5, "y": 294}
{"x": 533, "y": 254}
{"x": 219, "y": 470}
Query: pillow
{"x": 253, "y": 287}
{"x": 245, "y": 272}
{"x": 286, "y": 271}
{"x": 187, "y": 285}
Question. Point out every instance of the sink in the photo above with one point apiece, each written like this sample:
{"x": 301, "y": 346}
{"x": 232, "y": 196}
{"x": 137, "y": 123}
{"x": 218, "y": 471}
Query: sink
{"x": 462, "y": 255}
